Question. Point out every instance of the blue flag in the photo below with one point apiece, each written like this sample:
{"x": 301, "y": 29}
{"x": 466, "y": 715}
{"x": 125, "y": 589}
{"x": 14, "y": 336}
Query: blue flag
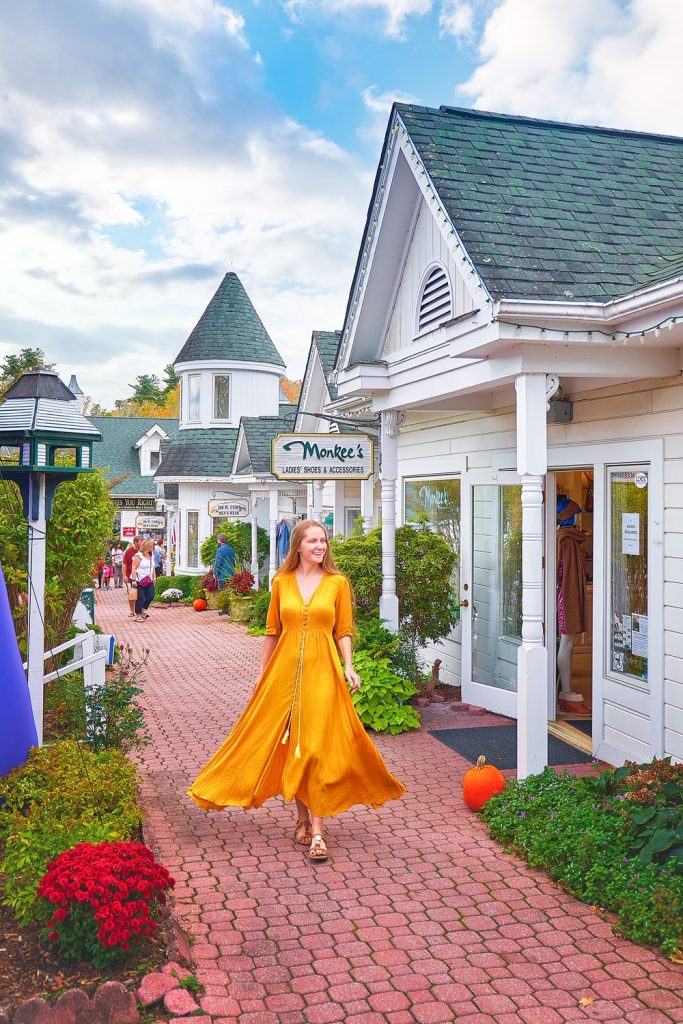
{"x": 17, "y": 727}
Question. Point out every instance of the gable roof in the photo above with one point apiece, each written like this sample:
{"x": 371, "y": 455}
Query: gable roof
{"x": 259, "y": 432}
{"x": 327, "y": 344}
{"x": 118, "y": 454}
{"x": 199, "y": 453}
{"x": 230, "y": 329}
{"x": 554, "y": 211}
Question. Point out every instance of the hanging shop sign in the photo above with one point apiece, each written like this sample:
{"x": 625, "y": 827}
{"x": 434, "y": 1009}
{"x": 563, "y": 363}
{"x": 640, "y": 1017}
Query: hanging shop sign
{"x": 234, "y": 508}
{"x": 150, "y": 524}
{"x": 136, "y": 504}
{"x": 322, "y": 457}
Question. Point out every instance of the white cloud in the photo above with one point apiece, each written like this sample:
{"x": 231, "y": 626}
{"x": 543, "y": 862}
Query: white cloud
{"x": 593, "y": 61}
{"x": 456, "y": 18}
{"x": 130, "y": 187}
{"x": 379, "y": 107}
{"x": 396, "y": 12}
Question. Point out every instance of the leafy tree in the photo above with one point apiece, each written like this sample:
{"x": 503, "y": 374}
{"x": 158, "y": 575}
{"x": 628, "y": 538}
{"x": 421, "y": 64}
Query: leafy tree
{"x": 171, "y": 380}
{"x": 13, "y": 366}
{"x": 77, "y": 533}
{"x": 424, "y": 565}
{"x": 147, "y": 388}
{"x": 239, "y": 538}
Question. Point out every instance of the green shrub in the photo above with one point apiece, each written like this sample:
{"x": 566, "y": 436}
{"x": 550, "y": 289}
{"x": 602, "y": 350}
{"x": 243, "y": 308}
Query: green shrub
{"x": 63, "y": 795}
{"x": 239, "y": 539}
{"x": 184, "y": 583}
{"x": 379, "y": 701}
{"x": 108, "y": 716}
{"x": 583, "y": 837}
{"x": 259, "y": 613}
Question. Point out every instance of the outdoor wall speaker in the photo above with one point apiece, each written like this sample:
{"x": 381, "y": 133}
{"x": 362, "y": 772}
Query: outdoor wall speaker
{"x": 560, "y": 411}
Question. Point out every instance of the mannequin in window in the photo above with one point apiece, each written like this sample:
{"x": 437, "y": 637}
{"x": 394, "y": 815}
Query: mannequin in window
{"x": 571, "y": 599}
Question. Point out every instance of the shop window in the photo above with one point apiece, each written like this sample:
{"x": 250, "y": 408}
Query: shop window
{"x": 628, "y": 573}
{"x": 221, "y": 397}
{"x": 511, "y": 562}
{"x": 193, "y": 395}
{"x": 351, "y": 515}
{"x": 437, "y": 503}
{"x": 193, "y": 539}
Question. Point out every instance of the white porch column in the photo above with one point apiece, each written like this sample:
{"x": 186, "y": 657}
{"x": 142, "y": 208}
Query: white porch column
{"x": 254, "y": 542}
{"x": 338, "y": 510}
{"x": 367, "y": 502}
{"x": 532, "y": 658}
{"x": 317, "y": 514}
{"x": 36, "y": 600}
{"x": 388, "y": 602}
{"x": 272, "y": 520}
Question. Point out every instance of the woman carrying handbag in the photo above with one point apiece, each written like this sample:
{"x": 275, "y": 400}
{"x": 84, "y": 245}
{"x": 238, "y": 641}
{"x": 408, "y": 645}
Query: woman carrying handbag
{"x": 143, "y": 575}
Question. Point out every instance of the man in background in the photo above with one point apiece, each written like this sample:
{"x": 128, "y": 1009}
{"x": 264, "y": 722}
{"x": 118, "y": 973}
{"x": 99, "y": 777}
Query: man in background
{"x": 128, "y": 556}
{"x": 224, "y": 565}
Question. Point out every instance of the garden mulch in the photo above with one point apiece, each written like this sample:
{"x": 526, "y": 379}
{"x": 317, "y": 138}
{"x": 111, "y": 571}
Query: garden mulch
{"x": 418, "y": 917}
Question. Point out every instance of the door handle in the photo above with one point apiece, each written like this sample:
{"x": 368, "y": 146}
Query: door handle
{"x": 465, "y": 603}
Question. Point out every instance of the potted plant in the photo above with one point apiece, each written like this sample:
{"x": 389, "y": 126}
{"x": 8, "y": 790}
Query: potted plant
{"x": 242, "y": 595}
{"x": 209, "y": 585}
{"x": 171, "y": 596}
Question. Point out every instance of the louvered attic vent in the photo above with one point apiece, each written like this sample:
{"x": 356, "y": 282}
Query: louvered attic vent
{"x": 435, "y": 305}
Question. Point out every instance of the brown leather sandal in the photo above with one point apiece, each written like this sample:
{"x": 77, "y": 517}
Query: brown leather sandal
{"x": 318, "y": 850}
{"x": 302, "y": 832}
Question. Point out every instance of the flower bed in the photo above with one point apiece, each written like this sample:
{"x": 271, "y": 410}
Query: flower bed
{"x": 615, "y": 841}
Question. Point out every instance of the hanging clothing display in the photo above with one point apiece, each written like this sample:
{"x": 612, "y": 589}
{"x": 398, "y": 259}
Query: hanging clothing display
{"x": 572, "y": 615}
{"x": 282, "y": 539}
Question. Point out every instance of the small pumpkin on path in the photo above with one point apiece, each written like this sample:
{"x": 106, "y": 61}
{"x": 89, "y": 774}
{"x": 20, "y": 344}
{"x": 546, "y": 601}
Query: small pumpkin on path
{"x": 199, "y": 605}
{"x": 481, "y": 783}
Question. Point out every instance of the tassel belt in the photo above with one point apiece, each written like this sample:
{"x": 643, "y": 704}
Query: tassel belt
{"x": 298, "y": 688}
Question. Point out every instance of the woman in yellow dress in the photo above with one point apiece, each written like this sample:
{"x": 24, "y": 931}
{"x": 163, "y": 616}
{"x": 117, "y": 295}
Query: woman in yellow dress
{"x": 300, "y": 736}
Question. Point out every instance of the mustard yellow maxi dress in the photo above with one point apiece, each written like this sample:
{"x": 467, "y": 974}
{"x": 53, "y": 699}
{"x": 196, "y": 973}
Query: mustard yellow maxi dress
{"x": 300, "y": 734}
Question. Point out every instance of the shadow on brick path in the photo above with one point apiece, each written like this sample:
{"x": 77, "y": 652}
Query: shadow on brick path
{"x": 417, "y": 918}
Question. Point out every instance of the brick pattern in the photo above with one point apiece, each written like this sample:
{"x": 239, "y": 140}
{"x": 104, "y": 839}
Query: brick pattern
{"x": 418, "y": 916}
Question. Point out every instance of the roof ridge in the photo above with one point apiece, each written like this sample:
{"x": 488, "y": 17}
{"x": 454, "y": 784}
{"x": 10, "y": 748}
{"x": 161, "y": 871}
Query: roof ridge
{"x": 492, "y": 115}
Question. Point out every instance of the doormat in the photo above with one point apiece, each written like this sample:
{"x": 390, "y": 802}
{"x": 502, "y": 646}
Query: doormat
{"x": 498, "y": 744}
{"x": 584, "y": 724}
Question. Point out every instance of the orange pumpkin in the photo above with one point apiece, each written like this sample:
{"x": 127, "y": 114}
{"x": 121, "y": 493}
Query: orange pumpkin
{"x": 199, "y": 605}
{"x": 480, "y": 783}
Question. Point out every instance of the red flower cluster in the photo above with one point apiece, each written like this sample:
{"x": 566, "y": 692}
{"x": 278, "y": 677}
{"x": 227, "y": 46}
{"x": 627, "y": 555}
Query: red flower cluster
{"x": 210, "y": 583}
{"x": 120, "y": 883}
{"x": 241, "y": 582}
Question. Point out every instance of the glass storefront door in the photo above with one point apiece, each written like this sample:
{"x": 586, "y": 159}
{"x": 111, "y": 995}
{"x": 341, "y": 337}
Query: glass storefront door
{"x": 492, "y": 606}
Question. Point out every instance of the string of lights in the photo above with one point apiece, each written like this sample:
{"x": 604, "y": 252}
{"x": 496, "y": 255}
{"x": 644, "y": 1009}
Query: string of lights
{"x": 613, "y": 336}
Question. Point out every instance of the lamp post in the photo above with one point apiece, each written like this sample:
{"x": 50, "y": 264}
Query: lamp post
{"x": 44, "y": 440}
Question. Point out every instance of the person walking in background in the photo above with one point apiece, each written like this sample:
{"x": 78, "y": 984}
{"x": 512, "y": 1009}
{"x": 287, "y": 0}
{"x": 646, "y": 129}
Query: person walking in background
{"x": 159, "y": 556}
{"x": 108, "y": 569}
{"x": 300, "y": 736}
{"x": 128, "y": 556}
{"x": 99, "y": 570}
{"x": 224, "y": 564}
{"x": 117, "y": 563}
{"x": 143, "y": 573}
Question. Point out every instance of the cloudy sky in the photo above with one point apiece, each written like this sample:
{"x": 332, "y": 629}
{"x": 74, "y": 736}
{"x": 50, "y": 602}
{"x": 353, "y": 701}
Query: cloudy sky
{"x": 148, "y": 146}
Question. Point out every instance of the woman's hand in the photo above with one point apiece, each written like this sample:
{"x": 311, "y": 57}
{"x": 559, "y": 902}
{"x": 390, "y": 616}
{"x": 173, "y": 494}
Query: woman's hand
{"x": 352, "y": 678}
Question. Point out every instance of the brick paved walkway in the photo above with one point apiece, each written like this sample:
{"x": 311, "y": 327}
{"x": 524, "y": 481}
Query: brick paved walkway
{"x": 417, "y": 917}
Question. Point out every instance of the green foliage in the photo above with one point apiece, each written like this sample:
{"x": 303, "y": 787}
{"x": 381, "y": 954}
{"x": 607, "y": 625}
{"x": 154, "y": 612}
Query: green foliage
{"x": 239, "y": 539}
{"x": 105, "y": 717}
{"x": 184, "y": 583}
{"x": 424, "y": 567}
{"x": 77, "y": 533}
{"x": 147, "y": 388}
{"x": 379, "y": 701}
{"x": 63, "y": 795}
{"x": 360, "y": 557}
{"x": 14, "y": 365}
{"x": 582, "y": 836}
{"x": 259, "y": 613}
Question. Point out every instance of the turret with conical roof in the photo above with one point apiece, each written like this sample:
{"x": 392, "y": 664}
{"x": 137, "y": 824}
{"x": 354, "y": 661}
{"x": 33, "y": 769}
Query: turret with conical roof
{"x": 230, "y": 329}
{"x": 229, "y": 366}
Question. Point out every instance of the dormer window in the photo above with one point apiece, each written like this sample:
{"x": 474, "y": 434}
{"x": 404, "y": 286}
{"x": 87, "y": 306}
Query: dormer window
{"x": 154, "y": 460}
{"x": 435, "y": 303}
{"x": 221, "y": 396}
{"x": 193, "y": 393}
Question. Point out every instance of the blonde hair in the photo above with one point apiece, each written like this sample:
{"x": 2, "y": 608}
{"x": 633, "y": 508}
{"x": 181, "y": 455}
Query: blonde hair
{"x": 147, "y": 546}
{"x": 293, "y": 558}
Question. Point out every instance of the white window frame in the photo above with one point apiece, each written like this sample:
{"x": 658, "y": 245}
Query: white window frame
{"x": 191, "y": 377}
{"x": 214, "y": 417}
{"x": 191, "y": 512}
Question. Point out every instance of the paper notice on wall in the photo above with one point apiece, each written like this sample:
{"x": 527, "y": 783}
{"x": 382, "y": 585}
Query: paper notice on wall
{"x": 639, "y": 635}
{"x": 630, "y": 533}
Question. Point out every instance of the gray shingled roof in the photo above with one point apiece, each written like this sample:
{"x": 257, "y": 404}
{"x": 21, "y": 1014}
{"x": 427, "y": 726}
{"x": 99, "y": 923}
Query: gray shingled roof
{"x": 259, "y": 432}
{"x": 199, "y": 452}
{"x": 230, "y": 329}
{"x": 555, "y": 211}
{"x": 117, "y": 454}
{"x": 327, "y": 343}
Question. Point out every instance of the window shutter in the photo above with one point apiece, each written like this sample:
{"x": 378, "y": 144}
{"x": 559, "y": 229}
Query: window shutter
{"x": 435, "y": 303}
